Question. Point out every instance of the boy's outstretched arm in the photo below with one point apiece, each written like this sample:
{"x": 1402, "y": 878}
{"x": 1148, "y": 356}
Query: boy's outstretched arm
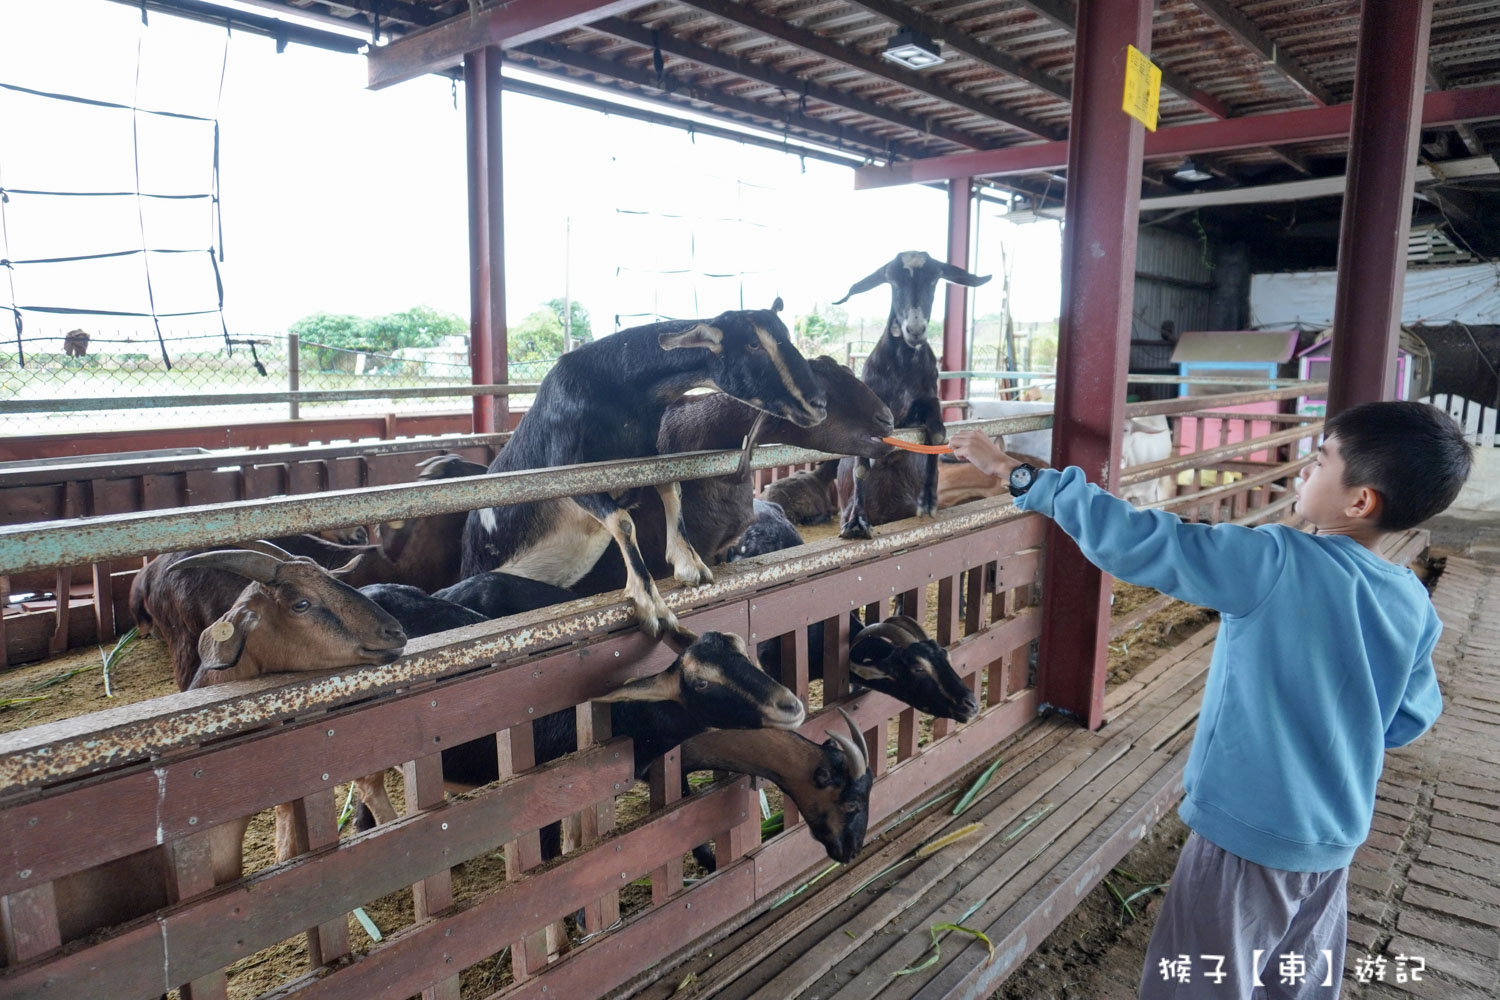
{"x": 1227, "y": 567}
{"x": 1422, "y": 703}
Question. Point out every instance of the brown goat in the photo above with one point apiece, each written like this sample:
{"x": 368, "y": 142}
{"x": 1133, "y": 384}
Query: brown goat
{"x": 830, "y": 782}
{"x": 807, "y": 497}
{"x": 292, "y": 616}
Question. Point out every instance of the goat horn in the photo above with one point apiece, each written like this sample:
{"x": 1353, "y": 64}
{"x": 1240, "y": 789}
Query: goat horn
{"x": 898, "y": 637}
{"x": 856, "y": 750}
{"x": 257, "y": 566}
{"x": 909, "y": 624}
{"x": 755, "y": 428}
{"x": 269, "y": 548}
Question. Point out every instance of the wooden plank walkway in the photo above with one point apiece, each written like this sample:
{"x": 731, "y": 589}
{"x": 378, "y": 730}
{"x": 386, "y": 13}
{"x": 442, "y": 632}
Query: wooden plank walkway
{"x": 1426, "y": 886}
{"x": 1066, "y": 805}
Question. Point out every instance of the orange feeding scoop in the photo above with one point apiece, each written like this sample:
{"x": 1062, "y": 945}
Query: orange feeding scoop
{"x": 924, "y": 449}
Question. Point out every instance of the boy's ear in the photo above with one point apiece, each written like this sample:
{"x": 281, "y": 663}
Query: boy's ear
{"x": 1366, "y": 504}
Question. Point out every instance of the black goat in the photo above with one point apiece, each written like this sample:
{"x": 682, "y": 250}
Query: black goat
{"x": 498, "y": 595}
{"x": 606, "y": 401}
{"x": 717, "y": 510}
{"x": 771, "y": 532}
{"x": 903, "y": 372}
{"x": 830, "y": 781}
{"x": 895, "y": 657}
{"x": 804, "y": 496}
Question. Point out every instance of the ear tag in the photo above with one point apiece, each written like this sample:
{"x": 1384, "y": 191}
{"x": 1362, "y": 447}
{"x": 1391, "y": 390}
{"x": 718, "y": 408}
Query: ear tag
{"x": 221, "y": 631}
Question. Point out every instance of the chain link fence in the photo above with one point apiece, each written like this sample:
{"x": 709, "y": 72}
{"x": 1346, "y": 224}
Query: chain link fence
{"x": 70, "y": 365}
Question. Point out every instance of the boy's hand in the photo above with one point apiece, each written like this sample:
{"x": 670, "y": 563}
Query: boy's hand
{"x": 975, "y": 447}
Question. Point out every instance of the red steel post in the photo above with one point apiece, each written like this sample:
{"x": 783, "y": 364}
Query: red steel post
{"x": 956, "y": 303}
{"x": 487, "y": 348}
{"x": 1389, "y": 78}
{"x": 1098, "y": 284}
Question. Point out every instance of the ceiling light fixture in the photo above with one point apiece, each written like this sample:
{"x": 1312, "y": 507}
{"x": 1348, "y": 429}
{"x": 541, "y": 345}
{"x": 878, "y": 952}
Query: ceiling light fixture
{"x": 1189, "y": 171}
{"x": 912, "y": 49}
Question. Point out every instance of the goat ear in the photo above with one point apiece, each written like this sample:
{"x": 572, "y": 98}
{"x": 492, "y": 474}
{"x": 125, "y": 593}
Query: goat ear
{"x": 665, "y": 686}
{"x": 778, "y": 305}
{"x": 698, "y": 335}
{"x": 221, "y": 645}
{"x": 866, "y": 283}
{"x": 959, "y": 276}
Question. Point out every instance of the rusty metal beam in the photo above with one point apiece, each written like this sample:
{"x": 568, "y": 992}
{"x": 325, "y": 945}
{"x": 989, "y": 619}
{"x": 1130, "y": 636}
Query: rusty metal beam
{"x": 1099, "y": 243}
{"x": 956, "y": 296}
{"x": 486, "y": 195}
{"x": 669, "y": 44}
{"x": 1440, "y": 108}
{"x": 1247, "y": 34}
{"x": 1437, "y": 79}
{"x": 777, "y": 28}
{"x": 1389, "y": 76}
{"x": 505, "y": 26}
{"x": 25, "y": 547}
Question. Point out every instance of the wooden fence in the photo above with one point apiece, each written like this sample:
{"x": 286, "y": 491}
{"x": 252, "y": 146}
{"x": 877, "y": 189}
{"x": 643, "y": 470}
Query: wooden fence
{"x": 156, "y": 776}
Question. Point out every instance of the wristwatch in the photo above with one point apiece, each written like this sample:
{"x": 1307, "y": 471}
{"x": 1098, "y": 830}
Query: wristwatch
{"x": 1021, "y": 478}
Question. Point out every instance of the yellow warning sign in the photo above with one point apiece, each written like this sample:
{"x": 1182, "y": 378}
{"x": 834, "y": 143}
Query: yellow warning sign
{"x": 1142, "y": 87}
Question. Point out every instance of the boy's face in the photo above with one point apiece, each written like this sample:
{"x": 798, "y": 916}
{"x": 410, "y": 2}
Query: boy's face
{"x": 1322, "y": 497}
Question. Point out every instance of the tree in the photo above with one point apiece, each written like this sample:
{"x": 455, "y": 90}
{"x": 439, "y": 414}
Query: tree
{"x": 582, "y": 329}
{"x": 823, "y": 329}
{"x": 538, "y": 337}
{"x": 333, "y": 338}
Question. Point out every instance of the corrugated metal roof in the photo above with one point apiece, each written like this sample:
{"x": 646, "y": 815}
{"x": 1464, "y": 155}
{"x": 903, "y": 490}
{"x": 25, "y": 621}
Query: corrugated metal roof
{"x": 812, "y": 68}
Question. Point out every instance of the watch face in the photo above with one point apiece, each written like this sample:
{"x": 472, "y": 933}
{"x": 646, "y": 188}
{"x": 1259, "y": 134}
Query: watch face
{"x": 1020, "y": 477}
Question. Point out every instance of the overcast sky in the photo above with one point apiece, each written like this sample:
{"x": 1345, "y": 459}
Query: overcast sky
{"x": 336, "y": 198}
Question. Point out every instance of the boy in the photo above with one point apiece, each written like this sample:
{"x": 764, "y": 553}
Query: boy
{"x": 1323, "y": 662}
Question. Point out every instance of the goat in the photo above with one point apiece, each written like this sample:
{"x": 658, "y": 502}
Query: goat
{"x": 426, "y": 552}
{"x": 606, "y": 401}
{"x": 292, "y": 616}
{"x": 903, "y": 372}
{"x": 771, "y": 532}
{"x": 497, "y": 595}
{"x": 712, "y": 683}
{"x": 895, "y": 657}
{"x": 830, "y": 782}
{"x": 176, "y": 596}
{"x": 718, "y": 509}
{"x": 804, "y": 496}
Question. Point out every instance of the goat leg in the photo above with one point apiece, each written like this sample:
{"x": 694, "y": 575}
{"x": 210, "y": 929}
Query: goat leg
{"x": 930, "y": 413}
{"x": 373, "y": 795}
{"x": 855, "y": 523}
{"x": 687, "y": 567}
{"x": 651, "y": 612}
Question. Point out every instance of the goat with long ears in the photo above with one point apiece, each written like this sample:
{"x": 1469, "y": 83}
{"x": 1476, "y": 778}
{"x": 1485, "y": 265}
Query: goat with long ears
{"x": 605, "y": 401}
{"x": 830, "y": 781}
{"x": 903, "y": 371}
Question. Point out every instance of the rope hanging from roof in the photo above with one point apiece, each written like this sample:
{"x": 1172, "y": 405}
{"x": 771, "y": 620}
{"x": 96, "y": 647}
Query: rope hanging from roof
{"x": 215, "y": 250}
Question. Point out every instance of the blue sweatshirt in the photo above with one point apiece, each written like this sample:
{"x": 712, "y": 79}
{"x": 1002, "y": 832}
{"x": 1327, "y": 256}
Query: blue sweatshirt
{"x": 1323, "y": 662}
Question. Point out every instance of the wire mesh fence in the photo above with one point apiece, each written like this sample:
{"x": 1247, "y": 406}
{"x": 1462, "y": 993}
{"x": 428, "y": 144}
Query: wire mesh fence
{"x": 72, "y": 365}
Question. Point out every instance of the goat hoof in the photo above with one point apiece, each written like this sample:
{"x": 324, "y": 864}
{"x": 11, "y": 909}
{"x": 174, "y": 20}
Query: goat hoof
{"x": 647, "y": 621}
{"x": 926, "y": 511}
{"x": 693, "y": 576}
{"x": 856, "y": 529}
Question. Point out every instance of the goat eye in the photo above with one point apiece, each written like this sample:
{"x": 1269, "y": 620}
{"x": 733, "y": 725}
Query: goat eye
{"x": 698, "y": 683}
{"x": 753, "y": 346}
{"x": 301, "y": 605}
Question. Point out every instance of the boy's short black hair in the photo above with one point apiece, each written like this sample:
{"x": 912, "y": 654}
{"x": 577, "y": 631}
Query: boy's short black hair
{"x": 1412, "y": 454}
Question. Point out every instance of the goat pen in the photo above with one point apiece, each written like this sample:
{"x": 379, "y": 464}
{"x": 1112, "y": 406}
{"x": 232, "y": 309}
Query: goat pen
{"x": 158, "y": 774}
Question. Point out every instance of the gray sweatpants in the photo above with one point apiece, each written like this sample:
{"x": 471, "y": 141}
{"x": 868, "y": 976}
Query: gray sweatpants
{"x": 1233, "y": 929}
